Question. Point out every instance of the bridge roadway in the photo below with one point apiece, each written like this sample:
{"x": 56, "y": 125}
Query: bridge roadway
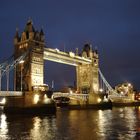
{"x": 65, "y": 58}
{"x": 74, "y": 96}
{"x": 10, "y": 93}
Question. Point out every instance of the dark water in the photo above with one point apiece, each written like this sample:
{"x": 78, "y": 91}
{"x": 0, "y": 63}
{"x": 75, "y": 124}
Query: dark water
{"x": 115, "y": 124}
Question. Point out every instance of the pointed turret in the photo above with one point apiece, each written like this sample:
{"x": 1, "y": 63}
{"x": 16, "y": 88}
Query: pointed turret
{"x": 29, "y": 26}
{"x": 41, "y": 32}
{"x": 96, "y": 50}
{"x": 37, "y": 36}
{"x": 95, "y": 53}
{"x": 29, "y": 29}
{"x": 87, "y": 50}
{"x": 42, "y": 37}
{"x": 16, "y": 38}
{"x": 16, "y": 34}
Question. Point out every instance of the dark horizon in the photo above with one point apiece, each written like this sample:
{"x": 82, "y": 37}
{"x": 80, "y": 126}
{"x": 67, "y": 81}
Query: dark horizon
{"x": 110, "y": 26}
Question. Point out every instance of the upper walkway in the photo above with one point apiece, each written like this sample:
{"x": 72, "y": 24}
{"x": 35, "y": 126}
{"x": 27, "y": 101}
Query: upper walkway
{"x": 65, "y": 58}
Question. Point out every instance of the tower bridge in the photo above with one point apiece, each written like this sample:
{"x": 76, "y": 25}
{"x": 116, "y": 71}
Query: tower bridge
{"x": 32, "y": 69}
{"x": 28, "y": 64}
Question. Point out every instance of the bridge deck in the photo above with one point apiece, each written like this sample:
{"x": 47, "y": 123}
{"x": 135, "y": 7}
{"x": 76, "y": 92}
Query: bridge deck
{"x": 65, "y": 58}
{"x": 83, "y": 97}
{"x": 10, "y": 93}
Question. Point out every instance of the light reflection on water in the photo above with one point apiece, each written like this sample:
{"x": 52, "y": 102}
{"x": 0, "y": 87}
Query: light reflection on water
{"x": 43, "y": 128}
{"x": 115, "y": 124}
{"x": 3, "y": 127}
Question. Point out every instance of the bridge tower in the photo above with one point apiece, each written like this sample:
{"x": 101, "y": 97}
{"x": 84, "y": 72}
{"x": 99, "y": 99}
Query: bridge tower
{"x": 30, "y": 72}
{"x": 87, "y": 74}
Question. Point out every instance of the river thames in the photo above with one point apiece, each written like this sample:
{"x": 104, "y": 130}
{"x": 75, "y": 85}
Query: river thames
{"x": 115, "y": 124}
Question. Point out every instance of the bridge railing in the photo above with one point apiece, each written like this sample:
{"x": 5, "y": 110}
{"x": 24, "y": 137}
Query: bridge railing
{"x": 10, "y": 93}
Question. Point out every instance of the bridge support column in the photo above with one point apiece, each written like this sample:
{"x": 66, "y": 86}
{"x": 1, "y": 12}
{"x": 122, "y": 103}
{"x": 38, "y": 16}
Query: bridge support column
{"x": 87, "y": 74}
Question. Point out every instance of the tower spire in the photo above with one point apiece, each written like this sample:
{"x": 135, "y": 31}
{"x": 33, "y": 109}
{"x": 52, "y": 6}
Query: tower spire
{"x": 16, "y": 37}
{"x": 16, "y": 34}
{"x": 30, "y": 20}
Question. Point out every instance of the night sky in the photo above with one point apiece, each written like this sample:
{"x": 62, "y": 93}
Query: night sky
{"x": 112, "y": 26}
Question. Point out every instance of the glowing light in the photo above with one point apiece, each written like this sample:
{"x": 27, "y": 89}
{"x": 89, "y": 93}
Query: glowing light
{"x": 57, "y": 50}
{"x": 105, "y": 99}
{"x": 46, "y": 99}
{"x": 47, "y": 53}
{"x": 3, "y": 101}
{"x": 35, "y": 134}
{"x": 71, "y": 91}
{"x": 95, "y": 87}
{"x": 36, "y": 98}
{"x": 45, "y": 96}
{"x": 129, "y": 84}
{"x": 74, "y": 64}
{"x": 71, "y": 54}
{"x": 99, "y": 100}
{"x": 21, "y": 62}
{"x": 3, "y": 126}
{"x": 101, "y": 90}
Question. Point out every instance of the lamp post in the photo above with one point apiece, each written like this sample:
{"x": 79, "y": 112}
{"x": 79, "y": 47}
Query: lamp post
{"x": 21, "y": 62}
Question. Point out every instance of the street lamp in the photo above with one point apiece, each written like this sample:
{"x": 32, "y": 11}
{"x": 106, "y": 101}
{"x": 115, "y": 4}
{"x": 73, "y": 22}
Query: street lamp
{"x": 21, "y": 62}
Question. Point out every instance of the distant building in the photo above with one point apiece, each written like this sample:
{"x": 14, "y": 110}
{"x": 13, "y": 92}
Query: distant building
{"x": 125, "y": 89}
